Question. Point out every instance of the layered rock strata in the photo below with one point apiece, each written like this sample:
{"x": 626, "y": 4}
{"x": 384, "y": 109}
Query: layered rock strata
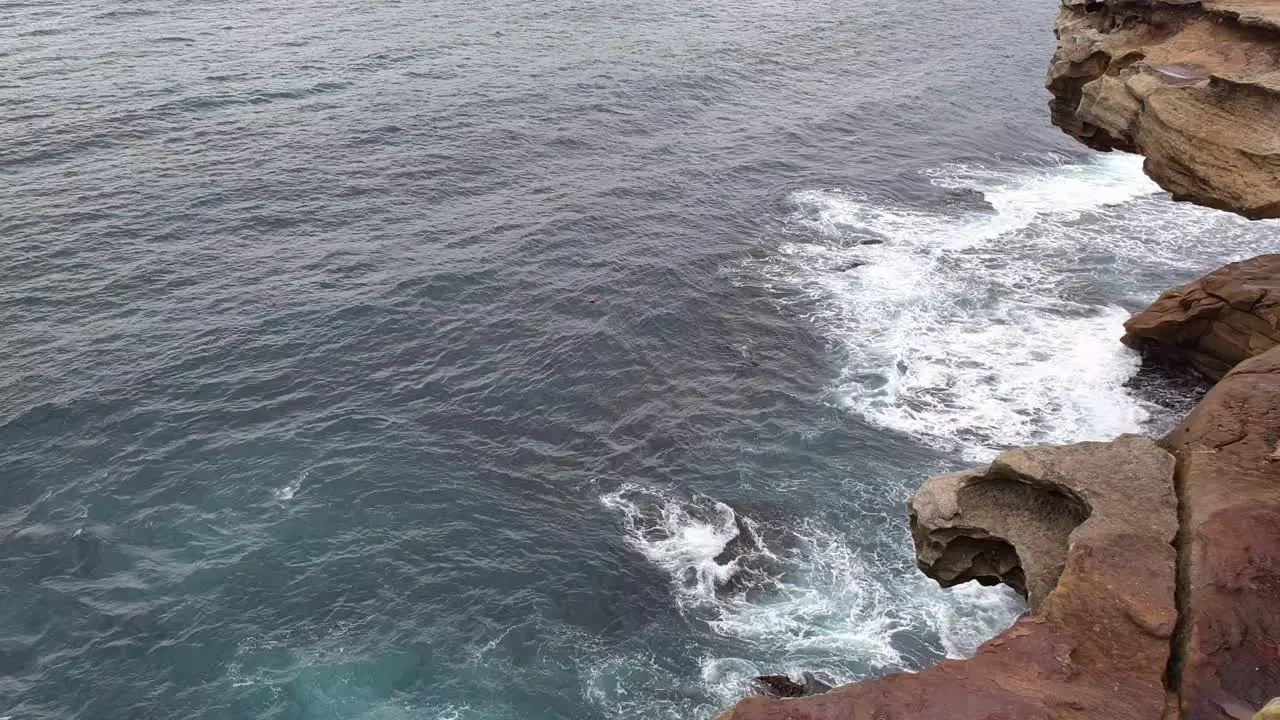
{"x": 1212, "y": 324}
{"x": 1086, "y": 531}
{"x": 1193, "y": 86}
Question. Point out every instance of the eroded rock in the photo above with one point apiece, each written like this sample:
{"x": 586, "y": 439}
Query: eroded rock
{"x": 1270, "y": 712}
{"x": 997, "y": 526}
{"x": 1212, "y": 324}
{"x": 1195, "y": 87}
{"x": 1095, "y": 646}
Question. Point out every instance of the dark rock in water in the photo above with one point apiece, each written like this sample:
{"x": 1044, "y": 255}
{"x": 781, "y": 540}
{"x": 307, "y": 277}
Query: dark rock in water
{"x": 779, "y": 686}
{"x": 782, "y": 686}
{"x": 864, "y": 236}
{"x": 814, "y": 685}
{"x": 967, "y": 199}
{"x": 851, "y": 265}
{"x": 744, "y": 543}
{"x": 756, "y": 566}
{"x": 1191, "y": 85}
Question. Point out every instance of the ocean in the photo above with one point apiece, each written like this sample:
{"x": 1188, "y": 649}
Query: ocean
{"x": 423, "y": 359}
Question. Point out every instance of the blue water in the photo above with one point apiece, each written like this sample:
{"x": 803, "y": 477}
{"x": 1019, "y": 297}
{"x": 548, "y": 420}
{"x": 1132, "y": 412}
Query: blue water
{"x": 531, "y": 360}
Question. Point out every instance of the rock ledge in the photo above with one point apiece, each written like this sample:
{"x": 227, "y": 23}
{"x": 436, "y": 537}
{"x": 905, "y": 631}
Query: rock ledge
{"x": 1214, "y": 323}
{"x": 1193, "y": 86}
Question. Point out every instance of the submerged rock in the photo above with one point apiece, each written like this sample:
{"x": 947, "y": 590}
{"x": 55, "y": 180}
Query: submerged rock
{"x": 1212, "y": 324}
{"x": 1194, "y": 86}
{"x": 782, "y": 686}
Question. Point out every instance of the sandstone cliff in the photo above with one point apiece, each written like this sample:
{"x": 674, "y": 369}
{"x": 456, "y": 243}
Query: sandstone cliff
{"x": 1088, "y": 530}
{"x": 1193, "y": 86}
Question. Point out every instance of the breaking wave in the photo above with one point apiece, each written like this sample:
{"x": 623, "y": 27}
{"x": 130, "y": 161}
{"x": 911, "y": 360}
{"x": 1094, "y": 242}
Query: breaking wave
{"x": 986, "y": 322}
{"x": 803, "y": 597}
{"x": 982, "y": 325}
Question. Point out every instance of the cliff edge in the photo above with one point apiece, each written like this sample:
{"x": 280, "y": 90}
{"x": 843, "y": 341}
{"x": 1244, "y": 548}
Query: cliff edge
{"x": 1152, "y": 571}
{"x": 1193, "y": 86}
{"x": 1152, "y": 574}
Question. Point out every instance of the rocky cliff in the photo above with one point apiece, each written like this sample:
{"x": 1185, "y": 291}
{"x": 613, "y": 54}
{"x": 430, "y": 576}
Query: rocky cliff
{"x": 1193, "y": 86}
{"x": 1216, "y": 322}
{"x": 1152, "y": 570}
{"x": 1087, "y": 531}
{"x": 1152, "y": 573}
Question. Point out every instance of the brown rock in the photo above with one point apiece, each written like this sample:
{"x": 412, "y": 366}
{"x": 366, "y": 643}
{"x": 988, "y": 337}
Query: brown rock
{"x": 1193, "y": 86}
{"x": 1212, "y": 324}
{"x": 1229, "y": 486}
{"x": 1094, "y": 522}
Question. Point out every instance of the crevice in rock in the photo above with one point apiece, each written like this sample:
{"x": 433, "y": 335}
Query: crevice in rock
{"x": 1177, "y": 642}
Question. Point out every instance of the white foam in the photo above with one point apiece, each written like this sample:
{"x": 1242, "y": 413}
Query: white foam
{"x": 968, "y": 615}
{"x": 966, "y": 328}
{"x": 829, "y": 607}
{"x": 286, "y": 492}
{"x": 682, "y": 538}
{"x": 963, "y": 327}
{"x": 831, "y": 600}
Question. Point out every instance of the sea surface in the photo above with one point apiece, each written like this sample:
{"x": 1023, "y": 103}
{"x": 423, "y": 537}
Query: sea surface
{"x": 445, "y": 360}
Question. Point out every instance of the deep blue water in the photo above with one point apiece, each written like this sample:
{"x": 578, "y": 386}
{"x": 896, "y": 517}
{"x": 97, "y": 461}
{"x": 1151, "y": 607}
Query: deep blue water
{"x": 531, "y": 359}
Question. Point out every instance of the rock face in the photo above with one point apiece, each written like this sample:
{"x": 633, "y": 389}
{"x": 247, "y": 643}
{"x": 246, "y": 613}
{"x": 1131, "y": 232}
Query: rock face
{"x": 1087, "y": 531}
{"x": 1193, "y": 86}
{"x": 1228, "y": 476}
{"x": 1212, "y": 324}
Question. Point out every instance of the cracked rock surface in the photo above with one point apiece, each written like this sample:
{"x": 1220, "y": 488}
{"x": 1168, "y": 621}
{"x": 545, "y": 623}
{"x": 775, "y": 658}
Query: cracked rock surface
{"x": 1228, "y": 476}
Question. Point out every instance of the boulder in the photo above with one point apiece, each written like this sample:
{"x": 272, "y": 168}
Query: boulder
{"x": 1227, "y": 654}
{"x": 1212, "y": 324}
{"x": 1193, "y": 86}
{"x": 1093, "y": 523}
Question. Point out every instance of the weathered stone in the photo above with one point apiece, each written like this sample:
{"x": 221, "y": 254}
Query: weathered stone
{"x": 1229, "y": 487}
{"x": 1212, "y": 324}
{"x": 1095, "y": 646}
{"x": 1270, "y": 712}
{"x": 1193, "y": 86}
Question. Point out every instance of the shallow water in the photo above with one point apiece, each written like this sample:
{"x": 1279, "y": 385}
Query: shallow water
{"x": 306, "y": 410}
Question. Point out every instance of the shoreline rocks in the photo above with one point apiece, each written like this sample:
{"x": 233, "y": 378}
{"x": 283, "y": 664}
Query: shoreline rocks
{"x": 1094, "y": 523}
{"x": 1152, "y": 572}
{"x": 1193, "y": 86}
{"x": 1213, "y": 323}
{"x": 1228, "y": 478}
